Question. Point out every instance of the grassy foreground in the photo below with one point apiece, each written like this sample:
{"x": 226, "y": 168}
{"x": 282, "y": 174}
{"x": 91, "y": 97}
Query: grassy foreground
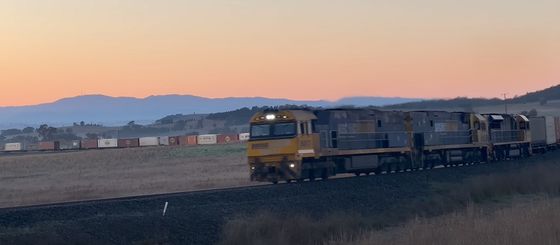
{"x": 524, "y": 222}
{"x": 94, "y": 174}
{"x": 468, "y": 209}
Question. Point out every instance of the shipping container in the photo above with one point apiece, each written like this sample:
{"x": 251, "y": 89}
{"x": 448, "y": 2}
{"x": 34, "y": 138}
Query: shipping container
{"x": 538, "y": 132}
{"x": 13, "y": 147}
{"x": 128, "y": 143}
{"x": 207, "y": 139}
{"x": 49, "y": 146}
{"x": 70, "y": 144}
{"x": 173, "y": 140}
{"x": 227, "y": 138}
{"x": 550, "y": 130}
{"x": 244, "y": 136}
{"x": 188, "y": 140}
{"x": 31, "y": 146}
{"x": 89, "y": 144}
{"x": 108, "y": 143}
{"x": 149, "y": 141}
{"x": 183, "y": 140}
{"x": 192, "y": 140}
{"x": 164, "y": 140}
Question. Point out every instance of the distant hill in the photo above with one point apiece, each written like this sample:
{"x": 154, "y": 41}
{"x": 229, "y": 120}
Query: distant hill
{"x": 542, "y": 96}
{"x": 552, "y": 93}
{"x": 108, "y": 110}
{"x": 461, "y": 102}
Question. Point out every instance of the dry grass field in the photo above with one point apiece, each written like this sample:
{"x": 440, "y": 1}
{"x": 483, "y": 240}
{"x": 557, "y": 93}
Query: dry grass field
{"x": 524, "y": 222}
{"x": 94, "y": 174}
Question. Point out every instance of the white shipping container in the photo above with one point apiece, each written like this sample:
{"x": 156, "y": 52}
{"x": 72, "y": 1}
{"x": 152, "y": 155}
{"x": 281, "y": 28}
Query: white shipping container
{"x": 207, "y": 139}
{"x": 164, "y": 140}
{"x": 244, "y": 136}
{"x": 550, "y": 130}
{"x": 13, "y": 147}
{"x": 107, "y": 143}
{"x": 149, "y": 141}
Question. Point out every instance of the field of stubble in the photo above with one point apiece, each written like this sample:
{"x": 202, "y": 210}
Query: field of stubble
{"x": 72, "y": 176}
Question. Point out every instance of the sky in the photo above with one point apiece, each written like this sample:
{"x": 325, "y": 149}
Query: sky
{"x": 297, "y": 49}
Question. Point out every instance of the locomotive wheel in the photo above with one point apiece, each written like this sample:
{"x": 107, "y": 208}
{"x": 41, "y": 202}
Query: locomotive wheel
{"x": 386, "y": 168}
{"x": 393, "y": 167}
{"x": 400, "y": 167}
{"x": 324, "y": 174}
{"x": 311, "y": 175}
{"x": 429, "y": 165}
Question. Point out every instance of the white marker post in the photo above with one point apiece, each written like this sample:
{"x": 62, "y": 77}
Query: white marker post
{"x": 165, "y": 208}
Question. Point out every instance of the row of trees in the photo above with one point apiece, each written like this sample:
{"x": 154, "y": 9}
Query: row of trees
{"x": 44, "y": 132}
{"x": 83, "y": 124}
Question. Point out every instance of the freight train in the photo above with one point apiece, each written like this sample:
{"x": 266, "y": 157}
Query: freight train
{"x": 295, "y": 145}
{"x": 87, "y": 144}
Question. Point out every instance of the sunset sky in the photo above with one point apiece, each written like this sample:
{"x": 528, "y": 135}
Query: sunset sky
{"x": 295, "y": 49}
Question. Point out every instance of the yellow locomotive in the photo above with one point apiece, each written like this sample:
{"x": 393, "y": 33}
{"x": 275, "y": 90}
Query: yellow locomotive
{"x": 288, "y": 145}
{"x": 279, "y": 141}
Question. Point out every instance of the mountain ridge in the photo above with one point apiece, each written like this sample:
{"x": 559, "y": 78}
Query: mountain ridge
{"x": 113, "y": 110}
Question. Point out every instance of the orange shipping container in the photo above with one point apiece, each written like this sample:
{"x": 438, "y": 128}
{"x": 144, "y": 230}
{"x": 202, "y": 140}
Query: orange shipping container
{"x": 192, "y": 140}
{"x": 183, "y": 140}
{"x": 89, "y": 144}
{"x": 227, "y": 138}
{"x": 49, "y": 145}
{"x": 126, "y": 143}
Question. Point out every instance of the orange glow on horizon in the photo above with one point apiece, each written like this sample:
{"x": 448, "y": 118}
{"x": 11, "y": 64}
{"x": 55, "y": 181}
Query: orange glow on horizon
{"x": 281, "y": 49}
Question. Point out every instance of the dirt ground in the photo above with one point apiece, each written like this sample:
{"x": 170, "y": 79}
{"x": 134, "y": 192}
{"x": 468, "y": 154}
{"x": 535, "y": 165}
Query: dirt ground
{"x": 61, "y": 177}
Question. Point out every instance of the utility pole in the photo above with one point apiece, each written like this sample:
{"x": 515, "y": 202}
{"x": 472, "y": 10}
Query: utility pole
{"x": 505, "y": 101}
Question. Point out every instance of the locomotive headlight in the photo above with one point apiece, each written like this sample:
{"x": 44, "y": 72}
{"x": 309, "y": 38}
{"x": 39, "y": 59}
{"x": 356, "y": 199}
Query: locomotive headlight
{"x": 252, "y": 168}
{"x": 292, "y": 165}
{"x": 270, "y": 117}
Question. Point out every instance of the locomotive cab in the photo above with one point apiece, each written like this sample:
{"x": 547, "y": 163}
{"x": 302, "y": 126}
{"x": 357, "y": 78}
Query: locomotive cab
{"x": 279, "y": 141}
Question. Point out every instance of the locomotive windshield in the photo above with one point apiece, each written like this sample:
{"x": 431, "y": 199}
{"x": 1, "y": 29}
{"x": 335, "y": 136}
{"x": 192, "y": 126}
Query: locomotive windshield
{"x": 263, "y": 131}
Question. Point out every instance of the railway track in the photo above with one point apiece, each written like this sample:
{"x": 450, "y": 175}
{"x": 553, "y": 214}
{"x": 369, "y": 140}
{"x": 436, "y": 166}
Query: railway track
{"x": 197, "y": 217}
